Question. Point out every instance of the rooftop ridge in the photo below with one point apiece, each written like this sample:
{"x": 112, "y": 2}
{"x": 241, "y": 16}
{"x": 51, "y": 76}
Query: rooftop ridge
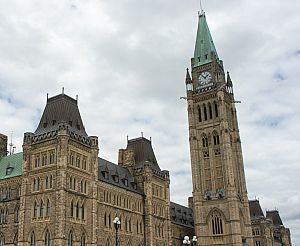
{"x": 61, "y": 96}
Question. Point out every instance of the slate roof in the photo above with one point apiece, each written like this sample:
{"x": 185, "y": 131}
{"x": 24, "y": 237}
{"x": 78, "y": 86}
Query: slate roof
{"x": 59, "y": 109}
{"x": 143, "y": 153}
{"x": 11, "y": 166}
{"x": 181, "y": 215}
{"x": 275, "y": 217}
{"x": 255, "y": 210}
{"x": 116, "y": 175}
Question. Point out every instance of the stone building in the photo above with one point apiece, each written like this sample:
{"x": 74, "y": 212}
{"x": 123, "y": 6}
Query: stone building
{"x": 58, "y": 191}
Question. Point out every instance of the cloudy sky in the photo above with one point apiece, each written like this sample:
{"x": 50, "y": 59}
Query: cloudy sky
{"x": 126, "y": 60}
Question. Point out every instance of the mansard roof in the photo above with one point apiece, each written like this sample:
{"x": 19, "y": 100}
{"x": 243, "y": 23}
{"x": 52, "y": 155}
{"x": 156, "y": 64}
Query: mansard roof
{"x": 11, "y": 166}
{"x": 116, "y": 175}
{"x": 181, "y": 215}
{"x": 143, "y": 153}
{"x": 275, "y": 217}
{"x": 255, "y": 210}
{"x": 61, "y": 109}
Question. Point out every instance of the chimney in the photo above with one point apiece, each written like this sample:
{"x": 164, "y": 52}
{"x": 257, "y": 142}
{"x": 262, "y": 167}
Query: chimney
{"x": 3, "y": 145}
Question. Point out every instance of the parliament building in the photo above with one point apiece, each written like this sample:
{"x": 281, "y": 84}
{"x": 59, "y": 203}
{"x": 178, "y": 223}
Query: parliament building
{"x": 59, "y": 192}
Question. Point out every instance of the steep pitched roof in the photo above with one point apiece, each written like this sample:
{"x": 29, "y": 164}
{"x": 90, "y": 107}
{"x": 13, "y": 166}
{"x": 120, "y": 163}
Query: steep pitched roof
{"x": 275, "y": 217}
{"x": 205, "y": 48}
{"x": 116, "y": 175}
{"x": 59, "y": 109}
{"x": 255, "y": 209}
{"x": 11, "y": 166}
{"x": 181, "y": 215}
{"x": 143, "y": 152}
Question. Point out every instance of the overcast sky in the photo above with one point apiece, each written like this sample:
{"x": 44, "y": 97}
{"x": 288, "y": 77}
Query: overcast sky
{"x": 126, "y": 60}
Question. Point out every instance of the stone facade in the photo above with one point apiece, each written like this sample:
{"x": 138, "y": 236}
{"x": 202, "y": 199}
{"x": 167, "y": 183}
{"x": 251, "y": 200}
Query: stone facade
{"x": 59, "y": 192}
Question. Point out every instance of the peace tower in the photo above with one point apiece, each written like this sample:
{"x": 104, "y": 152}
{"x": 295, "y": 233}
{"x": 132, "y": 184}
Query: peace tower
{"x": 220, "y": 202}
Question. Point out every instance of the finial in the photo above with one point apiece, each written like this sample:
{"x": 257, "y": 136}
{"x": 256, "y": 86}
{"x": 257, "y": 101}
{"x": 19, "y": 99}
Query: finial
{"x": 142, "y": 134}
{"x": 127, "y": 138}
{"x": 201, "y": 9}
{"x": 150, "y": 139}
{"x": 77, "y": 98}
{"x": 63, "y": 90}
{"x": 47, "y": 96}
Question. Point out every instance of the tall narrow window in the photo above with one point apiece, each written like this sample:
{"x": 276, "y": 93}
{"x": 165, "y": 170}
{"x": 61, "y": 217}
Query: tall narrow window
{"x": 42, "y": 209}
{"x": 205, "y": 112}
{"x": 82, "y": 212}
{"x": 17, "y": 214}
{"x": 35, "y": 210}
{"x": 216, "y": 110}
{"x": 70, "y": 239}
{"x": 51, "y": 182}
{"x": 217, "y": 224}
{"x": 32, "y": 239}
{"x": 47, "y": 239}
{"x": 47, "y": 182}
{"x": 48, "y": 209}
{"x": 72, "y": 209}
{"x": 204, "y": 141}
{"x": 1, "y": 240}
{"x": 82, "y": 240}
{"x": 210, "y": 111}
{"x": 105, "y": 220}
{"x": 77, "y": 210}
{"x": 199, "y": 114}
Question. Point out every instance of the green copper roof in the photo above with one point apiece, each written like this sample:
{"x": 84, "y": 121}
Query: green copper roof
{"x": 204, "y": 44}
{"x": 11, "y": 166}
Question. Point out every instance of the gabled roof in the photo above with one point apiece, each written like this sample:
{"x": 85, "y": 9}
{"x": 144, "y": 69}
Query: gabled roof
{"x": 205, "y": 48}
{"x": 275, "y": 217}
{"x": 143, "y": 153}
{"x": 11, "y": 166}
{"x": 255, "y": 210}
{"x": 59, "y": 109}
{"x": 116, "y": 175}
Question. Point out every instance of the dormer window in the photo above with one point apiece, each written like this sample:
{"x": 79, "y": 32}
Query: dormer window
{"x": 134, "y": 186}
{"x": 105, "y": 174}
{"x": 116, "y": 178}
{"x": 9, "y": 170}
{"x": 125, "y": 182}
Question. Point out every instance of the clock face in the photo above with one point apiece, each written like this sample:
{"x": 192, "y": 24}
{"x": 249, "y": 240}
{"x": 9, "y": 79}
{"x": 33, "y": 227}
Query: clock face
{"x": 204, "y": 78}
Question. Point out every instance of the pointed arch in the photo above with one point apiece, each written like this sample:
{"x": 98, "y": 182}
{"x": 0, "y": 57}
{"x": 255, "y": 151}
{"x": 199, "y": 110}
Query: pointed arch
{"x": 42, "y": 208}
{"x": 72, "y": 209}
{"x": 82, "y": 240}
{"x": 47, "y": 238}
{"x": 204, "y": 140}
{"x": 210, "y": 111}
{"x": 216, "y": 138}
{"x": 216, "y": 221}
{"x": 205, "y": 112}
{"x": 71, "y": 238}
{"x": 35, "y": 208}
{"x": 32, "y": 239}
{"x": 216, "y": 109}
{"x": 48, "y": 208}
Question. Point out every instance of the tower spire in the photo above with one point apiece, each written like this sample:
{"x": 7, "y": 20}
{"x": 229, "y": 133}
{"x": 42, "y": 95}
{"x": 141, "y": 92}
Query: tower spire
{"x": 205, "y": 50}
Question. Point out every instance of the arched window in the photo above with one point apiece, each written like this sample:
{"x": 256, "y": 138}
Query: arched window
{"x": 17, "y": 214}
{"x": 5, "y": 215}
{"x": 199, "y": 114}
{"x": 105, "y": 220}
{"x": 210, "y": 111}
{"x": 38, "y": 184}
{"x": 81, "y": 186}
{"x": 48, "y": 208}
{"x": 216, "y": 110}
{"x": 216, "y": 139}
{"x": 74, "y": 184}
{"x": 72, "y": 209}
{"x": 82, "y": 240}
{"x": 71, "y": 183}
{"x": 84, "y": 187}
{"x": 47, "y": 240}
{"x": 35, "y": 210}
{"x": 205, "y": 112}
{"x": 70, "y": 239}
{"x": 77, "y": 210}
{"x": 217, "y": 224}
{"x": 51, "y": 181}
{"x": 34, "y": 185}
{"x": 32, "y": 239}
{"x": 204, "y": 141}
{"x": 1, "y": 240}
{"x": 42, "y": 209}
{"x": 47, "y": 182}
{"x": 82, "y": 211}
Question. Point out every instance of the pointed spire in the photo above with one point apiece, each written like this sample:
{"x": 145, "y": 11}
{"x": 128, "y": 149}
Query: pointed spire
{"x": 229, "y": 81}
{"x": 188, "y": 79}
{"x": 205, "y": 50}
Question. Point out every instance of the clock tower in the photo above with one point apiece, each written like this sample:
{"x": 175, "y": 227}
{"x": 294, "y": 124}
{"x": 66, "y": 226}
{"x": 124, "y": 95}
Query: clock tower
{"x": 220, "y": 201}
